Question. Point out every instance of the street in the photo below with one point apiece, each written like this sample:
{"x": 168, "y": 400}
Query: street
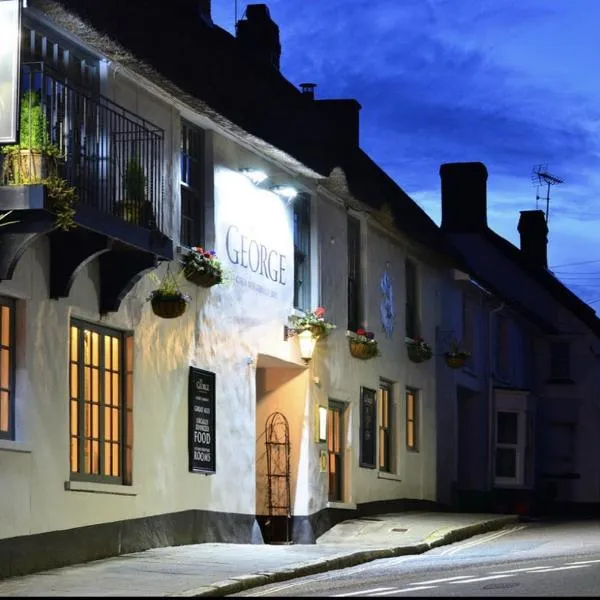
{"x": 528, "y": 559}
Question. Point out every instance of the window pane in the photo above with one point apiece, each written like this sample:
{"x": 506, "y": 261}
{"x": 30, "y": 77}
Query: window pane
{"x": 506, "y": 462}
{"x": 5, "y": 326}
{"x": 507, "y": 428}
{"x": 4, "y": 411}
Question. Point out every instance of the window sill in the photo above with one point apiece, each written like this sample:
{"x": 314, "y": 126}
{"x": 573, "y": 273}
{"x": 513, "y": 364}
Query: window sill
{"x": 386, "y": 475}
{"x": 12, "y": 446}
{"x": 100, "y": 488}
{"x": 342, "y": 505}
{"x": 560, "y": 381}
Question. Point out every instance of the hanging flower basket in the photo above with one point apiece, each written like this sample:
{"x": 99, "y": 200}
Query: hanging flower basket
{"x": 362, "y": 344}
{"x": 202, "y": 267}
{"x": 168, "y": 308}
{"x": 363, "y": 350}
{"x": 202, "y": 278}
{"x": 418, "y": 350}
{"x": 312, "y": 321}
{"x": 167, "y": 300}
{"x": 456, "y": 360}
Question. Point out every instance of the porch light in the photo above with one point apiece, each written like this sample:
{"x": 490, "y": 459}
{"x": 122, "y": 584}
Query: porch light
{"x": 256, "y": 176}
{"x": 285, "y": 191}
{"x": 322, "y": 423}
{"x": 307, "y": 344}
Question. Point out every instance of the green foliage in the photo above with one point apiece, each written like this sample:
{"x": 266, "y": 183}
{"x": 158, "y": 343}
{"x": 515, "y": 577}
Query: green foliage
{"x": 135, "y": 181}
{"x": 314, "y": 321}
{"x": 62, "y": 198}
{"x": 168, "y": 288}
{"x": 198, "y": 260}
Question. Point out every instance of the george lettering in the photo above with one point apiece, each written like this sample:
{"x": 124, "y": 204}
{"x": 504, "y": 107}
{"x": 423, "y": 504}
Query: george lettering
{"x": 254, "y": 256}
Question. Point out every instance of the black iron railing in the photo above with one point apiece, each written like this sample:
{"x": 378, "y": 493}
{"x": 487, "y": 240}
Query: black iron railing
{"x": 113, "y": 157}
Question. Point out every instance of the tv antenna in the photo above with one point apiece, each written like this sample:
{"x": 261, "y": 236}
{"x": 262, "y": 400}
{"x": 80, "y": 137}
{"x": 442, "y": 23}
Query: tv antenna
{"x": 541, "y": 176}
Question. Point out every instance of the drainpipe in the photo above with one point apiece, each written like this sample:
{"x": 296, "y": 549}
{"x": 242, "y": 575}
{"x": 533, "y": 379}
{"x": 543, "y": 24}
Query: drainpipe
{"x": 491, "y": 404}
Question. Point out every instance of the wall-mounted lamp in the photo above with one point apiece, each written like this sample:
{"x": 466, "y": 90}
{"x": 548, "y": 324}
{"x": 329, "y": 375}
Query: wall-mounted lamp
{"x": 285, "y": 191}
{"x": 307, "y": 343}
{"x": 322, "y": 423}
{"x": 256, "y": 176}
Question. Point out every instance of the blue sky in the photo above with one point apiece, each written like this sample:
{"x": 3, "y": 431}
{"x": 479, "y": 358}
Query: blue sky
{"x": 510, "y": 83}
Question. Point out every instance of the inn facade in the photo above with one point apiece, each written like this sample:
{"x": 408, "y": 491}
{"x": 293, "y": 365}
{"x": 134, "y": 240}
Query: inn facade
{"x": 122, "y": 430}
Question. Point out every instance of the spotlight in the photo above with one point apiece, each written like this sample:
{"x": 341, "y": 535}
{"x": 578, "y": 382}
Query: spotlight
{"x": 285, "y": 191}
{"x": 256, "y": 176}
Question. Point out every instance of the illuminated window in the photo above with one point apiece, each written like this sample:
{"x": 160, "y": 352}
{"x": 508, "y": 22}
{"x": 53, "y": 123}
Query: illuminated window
{"x": 412, "y": 419}
{"x": 192, "y": 184}
{"x": 101, "y": 403}
{"x": 302, "y": 252}
{"x": 386, "y": 420}
{"x": 7, "y": 369}
{"x": 335, "y": 450}
{"x": 412, "y": 299}
{"x": 354, "y": 279}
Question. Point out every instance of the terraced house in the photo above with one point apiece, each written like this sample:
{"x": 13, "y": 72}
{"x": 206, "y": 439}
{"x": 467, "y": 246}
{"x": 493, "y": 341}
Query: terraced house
{"x": 128, "y": 423}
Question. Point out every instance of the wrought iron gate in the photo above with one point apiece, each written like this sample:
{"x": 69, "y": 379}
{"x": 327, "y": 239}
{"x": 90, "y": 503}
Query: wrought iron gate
{"x": 277, "y": 440}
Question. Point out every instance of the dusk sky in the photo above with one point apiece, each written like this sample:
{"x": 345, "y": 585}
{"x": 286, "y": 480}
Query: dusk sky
{"x": 512, "y": 84}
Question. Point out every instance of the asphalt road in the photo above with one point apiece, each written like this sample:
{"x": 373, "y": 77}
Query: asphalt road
{"x": 529, "y": 559}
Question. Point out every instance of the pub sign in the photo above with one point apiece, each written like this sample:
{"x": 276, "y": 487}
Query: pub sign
{"x": 201, "y": 421}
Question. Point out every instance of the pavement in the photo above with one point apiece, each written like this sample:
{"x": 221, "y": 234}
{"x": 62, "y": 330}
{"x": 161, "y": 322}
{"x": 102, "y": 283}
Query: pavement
{"x": 222, "y": 569}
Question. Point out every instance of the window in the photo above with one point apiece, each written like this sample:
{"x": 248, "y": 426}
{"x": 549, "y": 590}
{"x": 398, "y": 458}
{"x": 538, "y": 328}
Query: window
{"x": 354, "y": 279}
{"x": 412, "y": 299}
{"x": 508, "y": 455}
{"x": 7, "y": 369}
{"x": 302, "y": 252}
{"x": 560, "y": 360}
{"x": 412, "y": 419}
{"x": 101, "y": 404}
{"x": 502, "y": 347}
{"x": 386, "y": 429}
{"x": 192, "y": 182}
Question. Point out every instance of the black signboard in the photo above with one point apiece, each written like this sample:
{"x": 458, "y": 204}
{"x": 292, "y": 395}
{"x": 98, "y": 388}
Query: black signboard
{"x": 201, "y": 421}
{"x": 368, "y": 423}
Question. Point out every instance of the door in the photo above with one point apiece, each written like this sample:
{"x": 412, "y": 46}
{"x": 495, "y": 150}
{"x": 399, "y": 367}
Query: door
{"x": 335, "y": 450}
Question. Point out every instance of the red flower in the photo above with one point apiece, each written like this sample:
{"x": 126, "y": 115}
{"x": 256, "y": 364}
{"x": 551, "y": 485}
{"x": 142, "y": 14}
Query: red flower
{"x": 319, "y": 312}
{"x": 361, "y": 331}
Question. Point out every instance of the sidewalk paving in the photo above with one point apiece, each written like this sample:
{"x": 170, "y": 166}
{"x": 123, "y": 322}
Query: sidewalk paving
{"x": 222, "y": 569}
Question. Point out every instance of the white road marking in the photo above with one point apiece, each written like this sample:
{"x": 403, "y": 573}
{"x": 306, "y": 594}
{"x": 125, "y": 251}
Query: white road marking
{"x": 549, "y": 569}
{"x": 524, "y": 570}
{"x": 414, "y": 589}
{"x": 364, "y": 592}
{"x": 488, "y": 538}
{"x": 442, "y": 580}
{"x": 583, "y": 562}
{"x": 480, "y": 579}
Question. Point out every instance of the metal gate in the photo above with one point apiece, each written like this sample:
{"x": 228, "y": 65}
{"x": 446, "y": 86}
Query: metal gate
{"x": 277, "y": 440}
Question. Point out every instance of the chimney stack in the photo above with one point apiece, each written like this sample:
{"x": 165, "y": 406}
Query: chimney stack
{"x": 343, "y": 115}
{"x": 534, "y": 237}
{"x": 259, "y": 35}
{"x": 464, "y": 197}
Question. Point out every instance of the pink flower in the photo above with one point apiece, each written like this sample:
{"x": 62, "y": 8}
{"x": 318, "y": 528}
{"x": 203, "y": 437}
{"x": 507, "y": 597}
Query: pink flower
{"x": 319, "y": 312}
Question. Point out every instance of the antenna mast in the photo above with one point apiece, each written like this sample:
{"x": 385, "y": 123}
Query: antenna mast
{"x": 541, "y": 176}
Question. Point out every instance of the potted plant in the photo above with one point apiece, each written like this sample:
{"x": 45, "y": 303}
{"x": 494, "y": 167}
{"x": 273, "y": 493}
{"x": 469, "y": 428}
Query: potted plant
{"x": 456, "y": 357}
{"x": 362, "y": 343}
{"x": 167, "y": 300}
{"x": 33, "y": 158}
{"x": 134, "y": 207}
{"x": 418, "y": 350}
{"x": 312, "y": 321}
{"x": 202, "y": 267}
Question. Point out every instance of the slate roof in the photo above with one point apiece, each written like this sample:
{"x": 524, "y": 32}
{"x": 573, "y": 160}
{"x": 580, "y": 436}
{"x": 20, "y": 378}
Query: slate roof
{"x": 207, "y": 63}
{"x": 488, "y": 257}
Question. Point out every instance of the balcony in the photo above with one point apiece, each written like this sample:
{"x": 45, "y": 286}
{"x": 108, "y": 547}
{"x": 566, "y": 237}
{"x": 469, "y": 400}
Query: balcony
{"x": 114, "y": 161}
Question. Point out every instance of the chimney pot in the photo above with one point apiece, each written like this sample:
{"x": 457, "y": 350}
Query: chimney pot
{"x": 308, "y": 90}
{"x": 534, "y": 237}
{"x": 464, "y": 197}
